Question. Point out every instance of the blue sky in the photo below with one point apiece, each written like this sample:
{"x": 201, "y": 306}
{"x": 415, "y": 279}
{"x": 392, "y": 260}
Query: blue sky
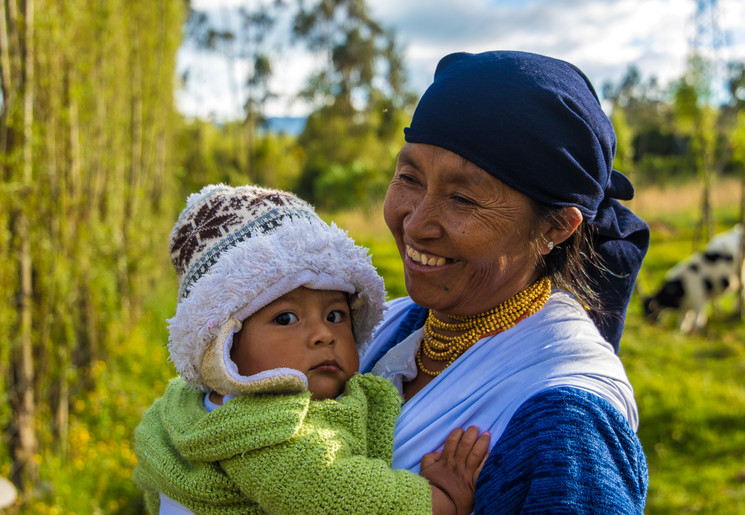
{"x": 602, "y": 37}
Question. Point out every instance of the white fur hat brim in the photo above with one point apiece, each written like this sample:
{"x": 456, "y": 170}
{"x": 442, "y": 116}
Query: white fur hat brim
{"x": 261, "y": 269}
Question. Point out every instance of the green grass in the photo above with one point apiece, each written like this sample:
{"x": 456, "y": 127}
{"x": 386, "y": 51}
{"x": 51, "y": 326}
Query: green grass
{"x": 369, "y": 230}
{"x": 692, "y": 410}
{"x": 91, "y": 473}
{"x": 690, "y": 391}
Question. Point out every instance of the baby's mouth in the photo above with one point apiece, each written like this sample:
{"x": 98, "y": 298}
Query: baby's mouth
{"x": 329, "y": 365}
{"x": 425, "y": 259}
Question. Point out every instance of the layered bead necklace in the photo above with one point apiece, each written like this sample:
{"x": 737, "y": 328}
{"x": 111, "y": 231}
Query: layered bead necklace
{"x": 443, "y": 347}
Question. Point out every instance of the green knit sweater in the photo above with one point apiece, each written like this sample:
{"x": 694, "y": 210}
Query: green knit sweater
{"x": 269, "y": 453}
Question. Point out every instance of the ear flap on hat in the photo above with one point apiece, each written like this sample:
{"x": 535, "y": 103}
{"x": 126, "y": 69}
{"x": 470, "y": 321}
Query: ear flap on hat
{"x": 220, "y": 373}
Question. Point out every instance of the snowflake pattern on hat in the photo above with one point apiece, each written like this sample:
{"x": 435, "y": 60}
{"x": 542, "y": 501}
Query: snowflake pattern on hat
{"x": 219, "y": 218}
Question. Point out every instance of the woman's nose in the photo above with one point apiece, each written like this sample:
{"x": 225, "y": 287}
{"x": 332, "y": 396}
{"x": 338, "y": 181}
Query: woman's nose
{"x": 422, "y": 221}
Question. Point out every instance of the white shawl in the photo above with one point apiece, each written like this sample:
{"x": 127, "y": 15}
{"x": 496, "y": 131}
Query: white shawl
{"x": 558, "y": 346}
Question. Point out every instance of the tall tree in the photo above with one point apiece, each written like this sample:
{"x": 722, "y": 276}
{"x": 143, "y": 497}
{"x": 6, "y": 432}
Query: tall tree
{"x": 697, "y": 118}
{"x": 641, "y": 112}
{"x": 736, "y": 88}
{"x": 18, "y": 70}
{"x": 358, "y": 95}
{"x": 86, "y": 125}
{"x": 241, "y": 35}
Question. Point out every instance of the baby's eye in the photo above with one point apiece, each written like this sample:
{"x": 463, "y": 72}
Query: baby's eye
{"x": 336, "y": 316}
{"x": 285, "y": 318}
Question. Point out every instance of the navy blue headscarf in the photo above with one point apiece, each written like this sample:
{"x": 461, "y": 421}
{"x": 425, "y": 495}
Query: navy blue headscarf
{"x": 535, "y": 123}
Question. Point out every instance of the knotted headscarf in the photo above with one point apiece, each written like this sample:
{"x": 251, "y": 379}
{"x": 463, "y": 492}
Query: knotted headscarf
{"x": 536, "y": 124}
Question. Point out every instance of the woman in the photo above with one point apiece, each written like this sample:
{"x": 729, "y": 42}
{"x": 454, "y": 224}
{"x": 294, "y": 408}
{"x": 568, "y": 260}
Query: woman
{"x": 519, "y": 264}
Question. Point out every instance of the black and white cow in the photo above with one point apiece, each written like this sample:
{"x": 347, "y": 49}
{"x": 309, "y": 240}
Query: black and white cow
{"x": 692, "y": 283}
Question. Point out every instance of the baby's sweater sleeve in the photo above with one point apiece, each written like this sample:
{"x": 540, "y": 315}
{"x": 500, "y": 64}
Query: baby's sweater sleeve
{"x": 337, "y": 461}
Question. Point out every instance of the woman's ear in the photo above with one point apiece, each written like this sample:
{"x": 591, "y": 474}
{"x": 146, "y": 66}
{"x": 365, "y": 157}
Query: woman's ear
{"x": 568, "y": 220}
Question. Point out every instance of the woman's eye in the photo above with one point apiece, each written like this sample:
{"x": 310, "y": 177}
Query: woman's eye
{"x": 285, "y": 319}
{"x": 463, "y": 200}
{"x": 407, "y": 178}
{"x": 336, "y": 316}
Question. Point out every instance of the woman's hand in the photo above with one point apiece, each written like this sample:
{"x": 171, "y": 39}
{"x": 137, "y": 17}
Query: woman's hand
{"x": 453, "y": 471}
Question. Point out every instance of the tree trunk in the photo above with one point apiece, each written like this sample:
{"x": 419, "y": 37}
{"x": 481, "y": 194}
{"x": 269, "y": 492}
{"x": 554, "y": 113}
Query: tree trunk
{"x": 6, "y": 76}
{"x": 26, "y": 407}
{"x": 741, "y": 289}
{"x": 706, "y": 218}
{"x": 705, "y": 227}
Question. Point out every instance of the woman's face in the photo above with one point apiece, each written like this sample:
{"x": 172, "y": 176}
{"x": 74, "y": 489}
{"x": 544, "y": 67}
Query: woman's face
{"x": 464, "y": 236}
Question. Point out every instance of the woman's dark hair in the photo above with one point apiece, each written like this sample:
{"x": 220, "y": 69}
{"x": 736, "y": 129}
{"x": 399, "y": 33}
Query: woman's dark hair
{"x": 569, "y": 263}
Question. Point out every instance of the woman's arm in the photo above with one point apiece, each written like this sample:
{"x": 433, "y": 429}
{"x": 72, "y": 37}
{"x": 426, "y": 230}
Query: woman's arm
{"x": 564, "y": 451}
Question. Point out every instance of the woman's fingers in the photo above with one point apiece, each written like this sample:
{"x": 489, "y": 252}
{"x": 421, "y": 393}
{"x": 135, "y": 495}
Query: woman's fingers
{"x": 466, "y": 447}
{"x": 451, "y": 443}
{"x": 479, "y": 452}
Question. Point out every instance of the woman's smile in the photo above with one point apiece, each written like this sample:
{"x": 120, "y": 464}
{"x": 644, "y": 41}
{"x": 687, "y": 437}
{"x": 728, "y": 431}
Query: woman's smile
{"x": 425, "y": 258}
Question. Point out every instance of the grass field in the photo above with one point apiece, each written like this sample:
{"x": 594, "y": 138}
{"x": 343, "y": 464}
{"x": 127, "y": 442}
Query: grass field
{"x": 690, "y": 389}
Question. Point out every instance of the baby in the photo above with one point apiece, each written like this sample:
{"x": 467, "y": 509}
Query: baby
{"x": 270, "y": 413}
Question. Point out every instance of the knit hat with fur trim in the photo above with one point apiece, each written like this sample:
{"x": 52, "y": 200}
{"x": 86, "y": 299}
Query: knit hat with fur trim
{"x": 238, "y": 249}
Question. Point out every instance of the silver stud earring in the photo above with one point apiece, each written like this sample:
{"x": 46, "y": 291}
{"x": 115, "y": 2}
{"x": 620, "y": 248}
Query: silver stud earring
{"x": 550, "y": 245}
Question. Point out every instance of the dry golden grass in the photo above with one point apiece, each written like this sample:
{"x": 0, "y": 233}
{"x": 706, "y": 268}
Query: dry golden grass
{"x": 660, "y": 204}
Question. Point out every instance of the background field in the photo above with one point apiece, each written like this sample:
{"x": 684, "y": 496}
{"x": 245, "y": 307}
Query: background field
{"x": 690, "y": 389}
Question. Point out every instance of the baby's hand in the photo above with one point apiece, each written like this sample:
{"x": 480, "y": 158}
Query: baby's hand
{"x": 455, "y": 469}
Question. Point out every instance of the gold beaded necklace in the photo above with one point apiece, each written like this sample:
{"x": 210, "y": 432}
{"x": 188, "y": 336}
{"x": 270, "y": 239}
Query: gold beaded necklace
{"x": 442, "y": 347}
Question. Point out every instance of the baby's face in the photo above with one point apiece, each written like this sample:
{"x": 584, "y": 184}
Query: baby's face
{"x": 308, "y": 330}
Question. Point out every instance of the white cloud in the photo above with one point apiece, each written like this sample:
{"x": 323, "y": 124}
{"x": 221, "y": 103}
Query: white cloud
{"x": 602, "y": 37}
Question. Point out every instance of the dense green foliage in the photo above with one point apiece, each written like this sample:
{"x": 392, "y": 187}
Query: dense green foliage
{"x": 357, "y": 95}
{"x": 676, "y": 133}
{"x": 86, "y": 139}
